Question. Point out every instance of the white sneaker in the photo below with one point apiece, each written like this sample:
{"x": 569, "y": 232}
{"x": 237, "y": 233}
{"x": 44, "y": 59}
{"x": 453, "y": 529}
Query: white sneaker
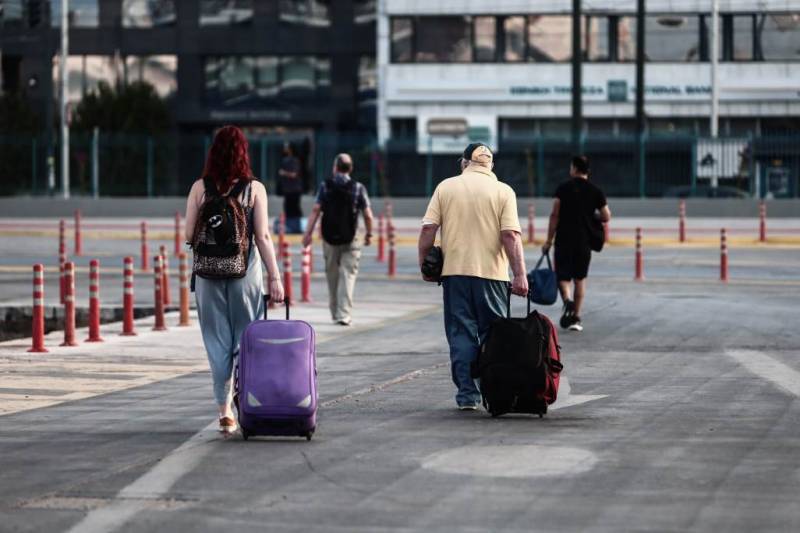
{"x": 468, "y": 407}
{"x": 576, "y": 324}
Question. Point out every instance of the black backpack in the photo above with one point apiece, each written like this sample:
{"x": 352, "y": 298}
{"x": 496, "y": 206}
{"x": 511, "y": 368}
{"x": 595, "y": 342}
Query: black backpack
{"x": 339, "y": 214}
{"x": 517, "y": 364}
{"x": 221, "y": 242}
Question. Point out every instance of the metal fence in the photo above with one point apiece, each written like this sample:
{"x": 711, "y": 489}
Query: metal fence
{"x": 656, "y": 166}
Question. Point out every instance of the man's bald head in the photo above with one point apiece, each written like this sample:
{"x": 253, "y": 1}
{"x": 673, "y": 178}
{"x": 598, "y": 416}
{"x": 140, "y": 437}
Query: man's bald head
{"x": 343, "y": 163}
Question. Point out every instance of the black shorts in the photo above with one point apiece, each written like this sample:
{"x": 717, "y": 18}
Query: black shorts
{"x": 572, "y": 262}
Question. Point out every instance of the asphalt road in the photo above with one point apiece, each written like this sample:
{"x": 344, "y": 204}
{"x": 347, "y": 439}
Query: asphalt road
{"x": 680, "y": 412}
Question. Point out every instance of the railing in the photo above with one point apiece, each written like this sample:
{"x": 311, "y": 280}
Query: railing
{"x": 654, "y": 166}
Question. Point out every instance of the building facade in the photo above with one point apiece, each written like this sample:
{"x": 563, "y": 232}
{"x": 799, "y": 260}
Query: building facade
{"x": 301, "y": 70}
{"x": 500, "y": 72}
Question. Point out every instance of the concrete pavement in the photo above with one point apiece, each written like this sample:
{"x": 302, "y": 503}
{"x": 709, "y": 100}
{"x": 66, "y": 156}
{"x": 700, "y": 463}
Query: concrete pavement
{"x": 680, "y": 412}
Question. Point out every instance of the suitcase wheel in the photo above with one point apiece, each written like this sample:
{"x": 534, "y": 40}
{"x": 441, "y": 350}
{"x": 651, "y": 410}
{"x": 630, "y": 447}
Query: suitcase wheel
{"x": 245, "y": 434}
{"x": 541, "y": 415}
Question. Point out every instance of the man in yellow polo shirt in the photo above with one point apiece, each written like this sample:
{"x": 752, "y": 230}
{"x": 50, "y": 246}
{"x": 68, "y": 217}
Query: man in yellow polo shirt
{"x": 480, "y": 237}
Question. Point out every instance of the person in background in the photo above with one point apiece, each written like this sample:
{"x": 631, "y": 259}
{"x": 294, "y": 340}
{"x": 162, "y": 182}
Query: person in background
{"x": 480, "y": 237}
{"x": 577, "y": 200}
{"x": 339, "y": 202}
{"x": 292, "y": 188}
{"x": 226, "y": 306}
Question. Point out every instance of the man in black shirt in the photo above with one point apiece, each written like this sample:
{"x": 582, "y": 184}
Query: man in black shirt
{"x": 577, "y": 204}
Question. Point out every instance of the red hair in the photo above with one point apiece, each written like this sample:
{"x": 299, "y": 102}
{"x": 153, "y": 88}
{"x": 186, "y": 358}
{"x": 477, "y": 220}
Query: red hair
{"x": 228, "y": 159}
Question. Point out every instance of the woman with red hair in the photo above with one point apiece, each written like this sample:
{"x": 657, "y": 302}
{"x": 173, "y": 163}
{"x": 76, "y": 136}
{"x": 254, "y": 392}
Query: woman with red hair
{"x": 226, "y": 305}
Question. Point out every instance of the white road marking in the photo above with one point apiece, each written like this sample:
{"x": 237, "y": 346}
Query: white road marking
{"x": 764, "y": 366}
{"x": 512, "y": 461}
{"x": 152, "y": 485}
{"x": 567, "y": 399}
{"x": 159, "y": 480}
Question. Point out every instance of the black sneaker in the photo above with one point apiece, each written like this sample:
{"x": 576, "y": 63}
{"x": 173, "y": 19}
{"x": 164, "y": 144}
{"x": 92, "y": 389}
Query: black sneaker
{"x": 576, "y": 324}
{"x": 568, "y": 313}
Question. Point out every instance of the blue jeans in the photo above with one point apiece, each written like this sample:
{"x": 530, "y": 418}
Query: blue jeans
{"x": 470, "y": 306}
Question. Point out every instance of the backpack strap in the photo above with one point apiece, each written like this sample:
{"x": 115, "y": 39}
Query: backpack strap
{"x": 211, "y": 187}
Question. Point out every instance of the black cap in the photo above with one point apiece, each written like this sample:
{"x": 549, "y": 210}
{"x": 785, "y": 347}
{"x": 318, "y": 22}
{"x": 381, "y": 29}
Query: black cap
{"x": 471, "y": 148}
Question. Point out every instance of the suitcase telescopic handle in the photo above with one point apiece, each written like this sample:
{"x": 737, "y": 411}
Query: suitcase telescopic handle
{"x": 267, "y": 298}
{"x": 508, "y": 301}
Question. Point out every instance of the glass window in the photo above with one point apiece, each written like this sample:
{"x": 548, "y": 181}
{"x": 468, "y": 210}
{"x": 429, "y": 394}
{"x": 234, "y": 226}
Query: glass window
{"x": 443, "y": 40}
{"x": 11, "y": 12}
{"x": 403, "y": 128}
{"x": 601, "y": 127}
{"x": 485, "y": 39}
{"x": 236, "y": 75}
{"x": 365, "y": 11}
{"x": 148, "y": 13}
{"x": 298, "y": 75}
{"x": 549, "y": 38}
{"x": 225, "y": 12}
{"x": 626, "y": 39}
{"x": 556, "y": 127}
{"x": 672, "y": 125}
{"x": 514, "y": 39}
{"x": 82, "y": 13}
{"x": 367, "y": 75}
{"x": 323, "y": 73}
{"x": 402, "y": 39}
{"x": 743, "y": 38}
{"x": 780, "y": 125}
{"x": 518, "y": 129}
{"x": 158, "y": 71}
{"x": 778, "y": 36}
{"x": 672, "y": 38}
{"x": 86, "y": 73}
{"x": 267, "y": 76}
{"x": 595, "y": 39}
{"x": 314, "y": 13}
{"x": 741, "y": 126}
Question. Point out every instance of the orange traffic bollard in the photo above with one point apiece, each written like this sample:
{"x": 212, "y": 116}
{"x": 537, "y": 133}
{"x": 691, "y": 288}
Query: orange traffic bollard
{"x": 381, "y": 242}
{"x": 127, "y": 297}
{"x": 145, "y": 255}
{"x": 287, "y": 273}
{"x": 531, "y": 213}
{"x": 682, "y": 221}
{"x": 177, "y": 233}
{"x": 281, "y": 232}
{"x": 62, "y": 258}
{"x": 94, "y": 301}
{"x": 183, "y": 272}
{"x": 392, "y": 270}
{"x": 78, "y": 237}
{"x": 723, "y": 255}
{"x": 69, "y": 304}
{"x": 639, "y": 266}
{"x": 762, "y": 221}
{"x": 158, "y": 300}
{"x": 37, "y": 327}
{"x": 305, "y": 273}
{"x": 165, "y": 292}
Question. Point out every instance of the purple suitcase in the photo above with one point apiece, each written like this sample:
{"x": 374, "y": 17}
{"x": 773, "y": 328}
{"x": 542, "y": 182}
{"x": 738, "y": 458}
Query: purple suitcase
{"x": 276, "y": 378}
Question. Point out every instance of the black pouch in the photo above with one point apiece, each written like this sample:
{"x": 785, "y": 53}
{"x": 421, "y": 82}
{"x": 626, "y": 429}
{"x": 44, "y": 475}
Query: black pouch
{"x": 433, "y": 264}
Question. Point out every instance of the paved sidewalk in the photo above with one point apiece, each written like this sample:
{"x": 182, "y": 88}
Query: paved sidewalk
{"x": 36, "y": 380}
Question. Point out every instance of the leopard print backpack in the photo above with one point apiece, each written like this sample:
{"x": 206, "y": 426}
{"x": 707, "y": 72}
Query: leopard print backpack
{"x": 221, "y": 242}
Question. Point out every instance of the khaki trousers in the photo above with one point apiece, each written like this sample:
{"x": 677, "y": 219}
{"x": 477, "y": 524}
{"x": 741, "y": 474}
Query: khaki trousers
{"x": 341, "y": 269}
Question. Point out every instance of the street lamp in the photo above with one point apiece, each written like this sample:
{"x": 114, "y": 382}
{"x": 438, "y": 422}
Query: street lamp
{"x": 64, "y": 74}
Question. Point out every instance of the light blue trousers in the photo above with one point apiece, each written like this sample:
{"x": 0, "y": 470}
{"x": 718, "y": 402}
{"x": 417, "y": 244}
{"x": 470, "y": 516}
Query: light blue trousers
{"x": 224, "y": 308}
{"x": 470, "y": 306}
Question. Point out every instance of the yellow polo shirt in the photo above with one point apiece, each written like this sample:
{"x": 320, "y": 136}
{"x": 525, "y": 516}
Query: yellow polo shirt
{"x": 471, "y": 210}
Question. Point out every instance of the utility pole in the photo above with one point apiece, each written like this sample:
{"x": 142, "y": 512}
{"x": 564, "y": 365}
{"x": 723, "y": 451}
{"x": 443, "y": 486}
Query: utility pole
{"x": 640, "y": 123}
{"x": 64, "y": 98}
{"x": 577, "y": 83}
{"x": 714, "y": 126}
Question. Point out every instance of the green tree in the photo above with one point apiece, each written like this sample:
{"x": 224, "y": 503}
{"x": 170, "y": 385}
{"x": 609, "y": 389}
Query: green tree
{"x": 19, "y": 127}
{"x": 134, "y": 122}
